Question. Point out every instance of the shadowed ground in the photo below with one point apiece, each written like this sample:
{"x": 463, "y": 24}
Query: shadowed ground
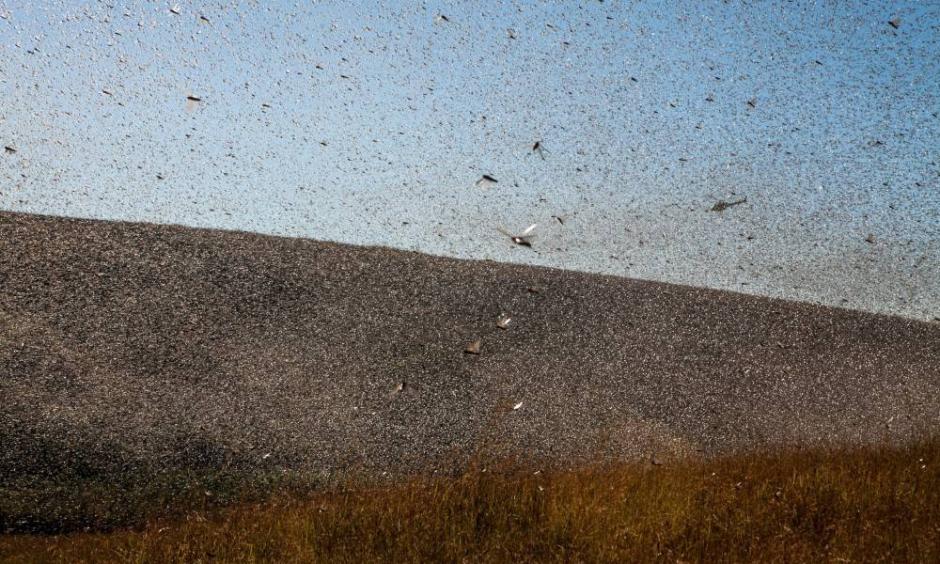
{"x": 127, "y": 345}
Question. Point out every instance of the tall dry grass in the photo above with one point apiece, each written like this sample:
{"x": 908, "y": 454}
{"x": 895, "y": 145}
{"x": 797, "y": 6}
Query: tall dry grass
{"x": 869, "y": 504}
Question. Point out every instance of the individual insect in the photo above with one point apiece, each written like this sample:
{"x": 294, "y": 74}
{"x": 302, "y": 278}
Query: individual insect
{"x": 486, "y": 181}
{"x": 474, "y": 347}
{"x": 523, "y": 239}
{"x": 537, "y": 148}
{"x": 503, "y": 321}
{"x": 723, "y": 205}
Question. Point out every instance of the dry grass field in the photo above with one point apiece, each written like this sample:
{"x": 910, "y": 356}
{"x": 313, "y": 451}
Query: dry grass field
{"x": 859, "y": 505}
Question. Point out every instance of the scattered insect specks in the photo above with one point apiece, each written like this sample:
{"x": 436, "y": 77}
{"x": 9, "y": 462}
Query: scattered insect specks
{"x": 473, "y": 347}
{"x": 511, "y": 33}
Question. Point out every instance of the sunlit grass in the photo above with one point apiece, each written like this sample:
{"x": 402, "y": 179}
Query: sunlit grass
{"x": 808, "y": 506}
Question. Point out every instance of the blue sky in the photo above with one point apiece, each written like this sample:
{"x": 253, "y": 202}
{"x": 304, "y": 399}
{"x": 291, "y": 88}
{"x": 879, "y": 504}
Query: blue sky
{"x": 370, "y": 125}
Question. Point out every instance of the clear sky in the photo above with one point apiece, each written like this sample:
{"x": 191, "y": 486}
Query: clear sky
{"x": 370, "y": 125}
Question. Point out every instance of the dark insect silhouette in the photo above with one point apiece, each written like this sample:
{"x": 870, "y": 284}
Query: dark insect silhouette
{"x": 486, "y": 181}
{"x": 537, "y": 148}
{"x": 723, "y": 205}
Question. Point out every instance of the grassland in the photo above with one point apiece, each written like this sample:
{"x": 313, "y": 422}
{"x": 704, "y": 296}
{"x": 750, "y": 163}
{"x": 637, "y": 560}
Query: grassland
{"x": 863, "y": 504}
{"x": 182, "y": 395}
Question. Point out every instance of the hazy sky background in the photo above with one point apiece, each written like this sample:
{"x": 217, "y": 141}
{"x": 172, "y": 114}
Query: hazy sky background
{"x": 370, "y": 125}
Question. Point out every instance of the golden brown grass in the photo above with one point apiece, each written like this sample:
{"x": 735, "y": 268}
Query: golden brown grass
{"x": 871, "y": 504}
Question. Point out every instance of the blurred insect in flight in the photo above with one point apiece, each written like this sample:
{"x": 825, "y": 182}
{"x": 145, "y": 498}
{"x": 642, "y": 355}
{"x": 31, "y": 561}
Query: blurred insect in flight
{"x": 523, "y": 239}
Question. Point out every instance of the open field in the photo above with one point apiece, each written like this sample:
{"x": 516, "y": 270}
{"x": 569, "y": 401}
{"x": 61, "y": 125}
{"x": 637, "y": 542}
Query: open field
{"x": 861, "y": 505}
{"x": 151, "y": 371}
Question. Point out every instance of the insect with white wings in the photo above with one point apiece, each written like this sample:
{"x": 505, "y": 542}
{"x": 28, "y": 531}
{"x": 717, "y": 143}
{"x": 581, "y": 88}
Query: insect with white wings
{"x": 523, "y": 239}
